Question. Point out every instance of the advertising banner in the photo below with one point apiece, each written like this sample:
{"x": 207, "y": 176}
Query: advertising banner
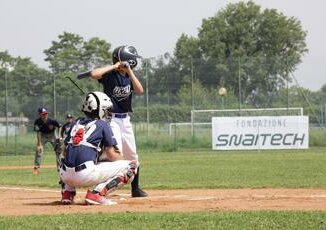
{"x": 260, "y": 132}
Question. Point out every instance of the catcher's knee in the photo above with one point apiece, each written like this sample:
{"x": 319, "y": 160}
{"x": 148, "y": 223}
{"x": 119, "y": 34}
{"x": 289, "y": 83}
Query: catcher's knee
{"x": 126, "y": 177}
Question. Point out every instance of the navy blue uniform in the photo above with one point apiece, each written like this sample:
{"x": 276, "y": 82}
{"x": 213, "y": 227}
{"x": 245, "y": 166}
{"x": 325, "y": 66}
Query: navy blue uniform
{"x": 47, "y": 130}
{"x": 47, "y": 127}
{"x": 100, "y": 137}
{"x": 66, "y": 129}
{"x": 118, "y": 87}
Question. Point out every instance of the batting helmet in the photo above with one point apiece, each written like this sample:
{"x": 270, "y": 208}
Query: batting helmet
{"x": 125, "y": 53}
{"x": 97, "y": 105}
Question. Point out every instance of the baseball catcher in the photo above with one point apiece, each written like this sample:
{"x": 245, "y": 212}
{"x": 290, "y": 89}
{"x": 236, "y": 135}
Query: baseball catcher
{"x": 86, "y": 138}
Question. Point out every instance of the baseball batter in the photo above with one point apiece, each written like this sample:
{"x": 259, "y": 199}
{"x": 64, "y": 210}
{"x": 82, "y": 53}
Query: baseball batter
{"x": 87, "y": 137}
{"x": 119, "y": 81}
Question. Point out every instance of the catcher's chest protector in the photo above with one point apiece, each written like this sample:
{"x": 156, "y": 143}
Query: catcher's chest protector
{"x": 79, "y": 134}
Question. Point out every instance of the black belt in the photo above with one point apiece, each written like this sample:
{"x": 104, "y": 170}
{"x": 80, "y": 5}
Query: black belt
{"x": 120, "y": 115}
{"x": 77, "y": 168}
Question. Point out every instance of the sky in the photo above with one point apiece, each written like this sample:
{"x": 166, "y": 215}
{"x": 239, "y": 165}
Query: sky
{"x": 153, "y": 27}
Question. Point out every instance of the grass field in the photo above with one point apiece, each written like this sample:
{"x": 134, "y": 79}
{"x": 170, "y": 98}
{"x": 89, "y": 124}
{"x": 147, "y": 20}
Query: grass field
{"x": 197, "y": 220}
{"x": 207, "y": 169}
{"x": 190, "y": 169}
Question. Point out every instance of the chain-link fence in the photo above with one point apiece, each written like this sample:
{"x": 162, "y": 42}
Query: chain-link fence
{"x": 172, "y": 89}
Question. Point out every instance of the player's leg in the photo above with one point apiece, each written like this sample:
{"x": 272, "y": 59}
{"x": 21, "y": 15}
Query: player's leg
{"x": 130, "y": 153}
{"x": 57, "y": 150}
{"x": 114, "y": 175}
{"x": 59, "y": 146}
{"x": 115, "y": 127}
{"x": 39, "y": 151}
{"x": 116, "y": 124}
{"x": 68, "y": 192}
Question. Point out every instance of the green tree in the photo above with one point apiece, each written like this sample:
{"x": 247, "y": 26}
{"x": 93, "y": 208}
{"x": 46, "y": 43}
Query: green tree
{"x": 242, "y": 41}
{"x": 65, "y": 54}
{"x": 96, "y": 52}
{"x": 26, "y": 84}
{"x": 70, "y": 55}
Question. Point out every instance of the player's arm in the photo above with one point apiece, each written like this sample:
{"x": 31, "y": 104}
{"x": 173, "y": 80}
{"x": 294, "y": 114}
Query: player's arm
{"x": 98, "y": 72}
{"x": 39, "y": 145}
{"x": 57, "y": 131}
{"x": 111, "y": 154}
{"x": 58, "y": 135}
{"x": 38, "y": 138}
{"x": 62, "y": 132}
{"x": 110, "y": 149}
{"x": 137, "y": 86}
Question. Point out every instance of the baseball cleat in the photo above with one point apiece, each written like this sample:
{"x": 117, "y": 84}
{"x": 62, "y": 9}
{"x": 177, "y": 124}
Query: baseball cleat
{"x": 36, "y": 171}
{"x": 96, "y": 198}
{"x": 137, "y": 192}
{"x": 67, "y": 197}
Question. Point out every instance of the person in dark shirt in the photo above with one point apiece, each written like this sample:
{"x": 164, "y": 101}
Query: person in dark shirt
{"x": 67, "y": 126}
{"x": 47, "y": 131}
{"x": 88, "y": 136}
{"x": 119, "y": 82}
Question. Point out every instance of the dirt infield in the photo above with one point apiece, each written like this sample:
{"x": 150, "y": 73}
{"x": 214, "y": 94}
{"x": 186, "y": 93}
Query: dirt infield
{"x": 17, "y": 201}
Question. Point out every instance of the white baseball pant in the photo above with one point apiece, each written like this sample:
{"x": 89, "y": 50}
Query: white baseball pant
{"x": 98, "y": 175}
{"x": 124, "y": 135}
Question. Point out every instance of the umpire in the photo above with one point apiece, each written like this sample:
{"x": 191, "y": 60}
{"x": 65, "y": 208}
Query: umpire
{"x": 45, "y": 129}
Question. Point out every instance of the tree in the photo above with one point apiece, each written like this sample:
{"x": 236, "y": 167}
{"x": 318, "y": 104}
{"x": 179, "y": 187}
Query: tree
{"x": 96, "y": 52}
{"x": 65, "y": 54}
{"x": 70, "y": 55}
{"x": 259, "y": 47}
{"x": 26, "y": 84}
{"x": 323, "y": 88}
{"x": 73, "y": 53}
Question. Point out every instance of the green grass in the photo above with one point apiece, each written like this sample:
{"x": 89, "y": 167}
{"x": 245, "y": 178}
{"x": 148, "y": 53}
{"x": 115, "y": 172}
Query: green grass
{"x": 21, "y": 144}
{"x": 189, "y": 169}
{"x": 196, "y": 220}
{"x": 205, "y": 169}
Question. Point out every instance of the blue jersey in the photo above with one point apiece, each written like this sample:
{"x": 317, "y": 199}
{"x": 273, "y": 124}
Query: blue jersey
{"x": 46, "y": 127}
{"x": 119, "y": 88}
{"x": 66, "y": 129}
{"x": 101, "y": 136}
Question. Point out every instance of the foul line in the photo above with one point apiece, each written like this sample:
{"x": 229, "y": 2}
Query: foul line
{"x": 29, "y": 189}
{"x": 186, "y": 197}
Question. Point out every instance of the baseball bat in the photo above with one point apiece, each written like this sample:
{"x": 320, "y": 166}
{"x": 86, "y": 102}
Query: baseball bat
{"x": 84, "y": 75}
{"x": 73, "y": 82}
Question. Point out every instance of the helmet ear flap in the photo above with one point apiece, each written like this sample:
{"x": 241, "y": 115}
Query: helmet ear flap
{"x": 119, "y": 53}
{"x": 116, "y": 54}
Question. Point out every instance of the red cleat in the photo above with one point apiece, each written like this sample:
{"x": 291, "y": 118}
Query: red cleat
{"x": 96, "y": 198}
{"x": 67, "y": 197}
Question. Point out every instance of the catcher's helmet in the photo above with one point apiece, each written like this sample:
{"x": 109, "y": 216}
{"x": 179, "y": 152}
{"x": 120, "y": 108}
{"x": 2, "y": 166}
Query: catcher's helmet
{"x": 125, "y": 53}
{"x": 97, "y": 105}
